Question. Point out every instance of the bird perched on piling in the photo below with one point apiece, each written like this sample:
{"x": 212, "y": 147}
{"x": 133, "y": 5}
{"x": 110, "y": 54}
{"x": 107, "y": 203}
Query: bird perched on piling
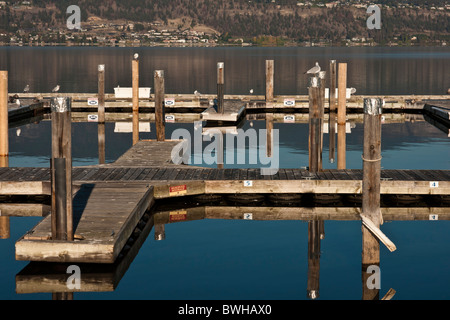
{"x": 251, "y": 91}
{"x": 26, "y": 89}
{"x": 352, "y": 90}
{"x": 314, "y": 70}
{"x": 56, "y": 89}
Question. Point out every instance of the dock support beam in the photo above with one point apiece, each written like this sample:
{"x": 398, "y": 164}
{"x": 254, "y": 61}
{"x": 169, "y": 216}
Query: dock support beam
{"x": 269, "y": 80}
{"x": 371, "y": 192}
{"x": 101, "y": 113}
{"x": 314, "y": 124}
{"x": 4, "y": 147}
{"x": 135, "y": 92}
{"x": 332, "y": 112}
{"x": 341, "y": 117}
{"x": 220, "y": 87}
{"x": 159, "y": 105}
{"x": 61, "y": 148}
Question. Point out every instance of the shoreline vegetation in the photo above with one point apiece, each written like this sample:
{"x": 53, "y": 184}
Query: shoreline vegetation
{"x": 204, "y": 23}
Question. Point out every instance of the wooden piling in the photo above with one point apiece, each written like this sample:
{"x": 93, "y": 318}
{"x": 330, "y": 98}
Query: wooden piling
{"x": 313, "y": 259}
{"x": 159, "y": 105}
{"x": 314, "y": 124}
{"x": 220, "y": 87}
{"x": 371, "y": 190}
{"x": 332, "y": 112}
{"x": 269, "y": 133}
{"x": 101, "y": 113}
{"x": 60, "y": 193}
{"x": 341, "y": 117}
{"x": 62, "y": 148}
{"x": 135, "y": 97}
{"x": 269, "y": 80}
{"x": 4, "y": 148}
{"x": 322, "y": 84}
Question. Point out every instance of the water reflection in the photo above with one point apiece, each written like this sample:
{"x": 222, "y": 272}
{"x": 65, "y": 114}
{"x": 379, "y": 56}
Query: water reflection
{"x": 372, "y": 71}
{"x": 39, "y": 277}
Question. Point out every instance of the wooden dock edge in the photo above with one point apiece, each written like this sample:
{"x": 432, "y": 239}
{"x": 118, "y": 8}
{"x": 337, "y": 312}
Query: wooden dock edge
{"x": 86, "y": 250}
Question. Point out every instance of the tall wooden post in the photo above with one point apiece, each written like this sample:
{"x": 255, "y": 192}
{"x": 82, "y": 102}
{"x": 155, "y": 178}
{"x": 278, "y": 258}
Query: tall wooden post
{"x": 4, "y": 147}
{"x": 269, "y": 134}
{"x": 322, "y": 77}
{"x": 61, "y": 149}
{"x": 314, "y": 124}
{"x": 269, "y": 80}
{"x": 220, "y": 87}
{"x": 313, "y": 282}
{"x": 159, "y": 105}
{"x": 341, "y": 117}
{"x": 371, "y": 189}
{"x": 332, "y": 111}
{"x": 135, "y": 99}
{"x": 101, "y": 113}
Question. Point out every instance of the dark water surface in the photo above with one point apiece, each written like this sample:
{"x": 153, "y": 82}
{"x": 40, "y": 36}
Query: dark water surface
{"x": 378, "y": 71}
{"x": 248, "y": 259}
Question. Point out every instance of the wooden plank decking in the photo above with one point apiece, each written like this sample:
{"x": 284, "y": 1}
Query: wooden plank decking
{"x": 104, "y": 218}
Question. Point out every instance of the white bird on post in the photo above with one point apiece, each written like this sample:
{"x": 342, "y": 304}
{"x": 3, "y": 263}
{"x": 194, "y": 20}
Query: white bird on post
{"x": 314, "y": 70}
{"x": 56, "y": 89}
{"x": 26, "y": 89}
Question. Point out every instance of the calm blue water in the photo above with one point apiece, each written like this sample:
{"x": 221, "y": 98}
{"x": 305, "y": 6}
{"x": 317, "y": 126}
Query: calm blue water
{"x": 242, "y": 259}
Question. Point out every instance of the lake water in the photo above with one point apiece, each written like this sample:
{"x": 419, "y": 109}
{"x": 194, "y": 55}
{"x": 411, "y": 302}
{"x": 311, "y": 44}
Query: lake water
{"x": 241, "y": 259}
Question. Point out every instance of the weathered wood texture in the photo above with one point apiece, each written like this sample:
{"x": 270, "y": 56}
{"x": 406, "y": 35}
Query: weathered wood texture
{"x": 104, "y": 218}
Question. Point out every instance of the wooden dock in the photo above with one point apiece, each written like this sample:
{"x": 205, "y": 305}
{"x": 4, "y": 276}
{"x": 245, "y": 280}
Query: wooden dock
{"x": 233, "y": 112}
{"x": 105, "y": 214}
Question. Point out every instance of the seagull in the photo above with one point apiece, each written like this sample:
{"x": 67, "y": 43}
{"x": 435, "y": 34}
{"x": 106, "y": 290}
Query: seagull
{"x": 17, "y": 102}
{"x": 26, "y": 89}
{"x": 251, "y": 91}
{"x": 56, "y": 89}
{"x": 198, "y": 94}
{"x": 314, "y": 70}
{"x": 352, "y": 90}
{"x": 135, "y": 56}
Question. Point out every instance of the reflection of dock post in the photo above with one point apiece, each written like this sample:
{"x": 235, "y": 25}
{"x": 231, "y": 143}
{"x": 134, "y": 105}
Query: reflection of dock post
{"x": 269, "y": 99}
{"x": 220, "y": 87}
{"x": 220, "y": 150}
{"x": 159, "y": 105}
{"x": 314, "y": 124}
{"x": 135, "y": 95}
{"x": 61, "y": 169}
{"x": 341, "y": 116}
{"x": 4, "y": 148}
{"x": 101, "y": 113}
{"x": 313, "y": 282}
{"x": 269, "y": 137}
{"x": 371, "y": 191}
{"x": 269, "y": 80}
{"x": 160, "y": 231}
{"x": 332, "y": 111}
